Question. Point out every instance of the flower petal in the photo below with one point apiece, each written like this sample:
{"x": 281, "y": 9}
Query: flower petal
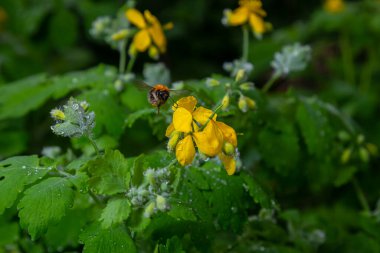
{"x": 201, "y": 115}
{"x": 182, "y": 120}
{"x": 185, "y": 151}
{"x": 229, "y": 163}
{"x": 210, "y": 140}
{"x": 237, "y": 17}
{"x": 169, "y": 130}
{"x": 158, "y": 37}
{"x": 136, "y": 18}
{"x": 142, "y": 40}
{"x": 186, "y": 102}
{"x": 257, "y": 24}
{"x": 229, "y": 133}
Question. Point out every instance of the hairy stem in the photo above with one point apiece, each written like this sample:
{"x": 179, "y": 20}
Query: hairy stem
{"x": 270, "y": 82}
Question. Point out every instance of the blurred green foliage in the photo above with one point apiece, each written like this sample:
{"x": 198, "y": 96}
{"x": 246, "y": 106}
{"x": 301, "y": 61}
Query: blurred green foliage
{"x": 309, "y": 179}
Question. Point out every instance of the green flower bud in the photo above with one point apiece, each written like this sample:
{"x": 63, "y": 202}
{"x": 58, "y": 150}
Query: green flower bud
{"x": 246, "y": 86}
{"x": 344, "y": 136}
{"x": 57, "y": 114}
{"x": 153, "y": 52}
{"x": 120, "y": 35}
{"x": 161, "y": 203}
{"x": 346, "y": 155}
{"x": 150, "y": 176}
{"x": 228, "y": 148}
{"x": 211, "y": 82}
{"x": 360, "y": 139}
{"x": 173, "y": 140}
{"x": 84, "y": 105}
{"x": 225, "y": 101}
{"x": 119, "y": 85}
{"x": 149, "y": 209}
{"x": 363, "y": 154}
{"x": 251, "y": 103}
{"x": 372, "y": 149}
{"x": 240, "y": 75}
{"x": 242, "y": 103}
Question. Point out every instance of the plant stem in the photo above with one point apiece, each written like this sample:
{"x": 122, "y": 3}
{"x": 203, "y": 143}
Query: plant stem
{"x": 360, "y": 194}
{"x": 94, "y": 145}
{"x": 347, "y": 59}
{"x": 123, "y": 56}
{"x": 131, "y": 63}
{"x": 271, "y": 81}
{"x": 245, "y": 43}
{"x": 95, "y": 198}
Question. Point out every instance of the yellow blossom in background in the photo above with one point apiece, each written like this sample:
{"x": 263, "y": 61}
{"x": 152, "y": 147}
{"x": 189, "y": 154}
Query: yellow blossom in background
{"x": 334, "y": 6}
{"x": 249, "y": 12}
{"x": 150, "y": 35}
{"x": 201, "y": 131}
{"x": 3, "y": 17}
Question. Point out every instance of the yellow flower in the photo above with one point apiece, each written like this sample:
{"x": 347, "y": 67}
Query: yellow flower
{"x": 201, "y": 131}
{"x": 249, "y": 12}
{"x": 334, "y": 6}
{"x": 151, "y": 33}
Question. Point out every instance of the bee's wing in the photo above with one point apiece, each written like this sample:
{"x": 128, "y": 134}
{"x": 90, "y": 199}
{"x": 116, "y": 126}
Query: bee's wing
{"x": 141, "y": 85}
{"x": 179, "y": 93}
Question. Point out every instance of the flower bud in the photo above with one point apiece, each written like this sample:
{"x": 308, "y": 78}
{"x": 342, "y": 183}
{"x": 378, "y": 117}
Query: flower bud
{"x": 360, "y": 139}
{"x": 84, "y": 105}
{"x": 228, "y": 148}
{"x": 119, "y": 85}
{"x": 246, "y": 86}
{"x": 161, "y": 203}
{"x": 150, "y": 176}
{"x": 149, "y": 209}
{"x": 344, "y": 136}
{"x": 57, "y": 114}
{"x": 120, "y": 35}
{"x": 132, "y": 50}
{"x": 153, "y": 52}
{"x": 251, "y": 103}
{"x": 363, "y": 154}
{"x": 372, "y": 149}
{"x": 225, "y": 101}
{"x": 346, "y": 155}
{"x": 240, "y": 75}
{"x": 243, "y": 105}
{"x": 174, "y": 138}
{"x": 211, "y": 82}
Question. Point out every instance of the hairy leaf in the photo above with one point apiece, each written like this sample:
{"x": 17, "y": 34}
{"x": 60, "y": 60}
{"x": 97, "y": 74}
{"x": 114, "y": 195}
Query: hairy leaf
{"x": 116, "y": 211}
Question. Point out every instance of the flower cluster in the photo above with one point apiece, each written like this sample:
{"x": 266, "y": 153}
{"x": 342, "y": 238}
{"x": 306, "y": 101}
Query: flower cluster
{"x": 150, "y": 35}
{"x": 249, "y": 12}
{"x": 196, "y": 127}
{"x": 153, "y": 192}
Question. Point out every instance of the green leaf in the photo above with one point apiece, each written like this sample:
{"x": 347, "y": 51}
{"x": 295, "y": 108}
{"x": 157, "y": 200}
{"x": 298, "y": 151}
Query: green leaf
{"x": 109, "y": 114}
{"x": 132, "y": 117}
{"x": 21, "y": 97}
{"x": 9, "y": 233}
{"x": 45, "y": 204}
{"x": 182, "y": 212}
{"x": 271, "y": 141}
{"x": 115, "y": 240}
{"x": 116, "y": 211}
{"x": 345, "y": 175}
{"x": 315, "y": 127}
{"x": 173, "y": 245}
{"x": 15, "y": 173}
{"x": 110, "y": 173}
{"x": 257, "y": 192}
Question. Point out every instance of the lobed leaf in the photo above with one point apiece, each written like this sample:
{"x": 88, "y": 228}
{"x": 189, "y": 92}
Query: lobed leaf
{"x": 116, "y": 211}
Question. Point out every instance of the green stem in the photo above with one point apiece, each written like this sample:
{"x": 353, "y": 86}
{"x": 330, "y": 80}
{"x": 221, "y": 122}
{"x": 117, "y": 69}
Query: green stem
{"x": 131, "y": 63}
{"x": 270, "y": 82}
{"x": 360, "y": 194}
{"x": 347, "y": 59}
{"x": 123, "y": 56}
{"x": 95, "y": 198}
{"x": 94, "y": 145}
{"x": 245, "y": 43}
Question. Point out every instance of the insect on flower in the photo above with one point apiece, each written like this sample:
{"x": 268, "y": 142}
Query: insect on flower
{"x": 159, "y": 93}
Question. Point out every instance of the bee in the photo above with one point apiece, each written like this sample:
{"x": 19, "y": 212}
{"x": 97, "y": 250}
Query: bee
{"x": 158, "y": 94}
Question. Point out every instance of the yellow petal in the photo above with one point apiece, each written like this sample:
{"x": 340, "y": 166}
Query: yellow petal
{"x": 257, "y": 24}
{"x": 185, "y": 151}
{"x": 136, "y": 18}
{"x": 188, "y": 103}
{"x": 210, "y": 140}
{"x": 201, "y": 115}
{"x": 229, "y": 133}
{"x": 158, "y": 37}
{"x": 168, "y": 26}
{"x": 142, "y": 40}
{"x": 238, "y": 16}
{"x": 169, "y": 130}
{"x": 229, "y": 163}
{"x": 182, "y": 120}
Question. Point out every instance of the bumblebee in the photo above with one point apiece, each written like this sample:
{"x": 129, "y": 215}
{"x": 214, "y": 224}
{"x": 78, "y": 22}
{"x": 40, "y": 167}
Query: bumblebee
{"x": 157, "y": 94}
